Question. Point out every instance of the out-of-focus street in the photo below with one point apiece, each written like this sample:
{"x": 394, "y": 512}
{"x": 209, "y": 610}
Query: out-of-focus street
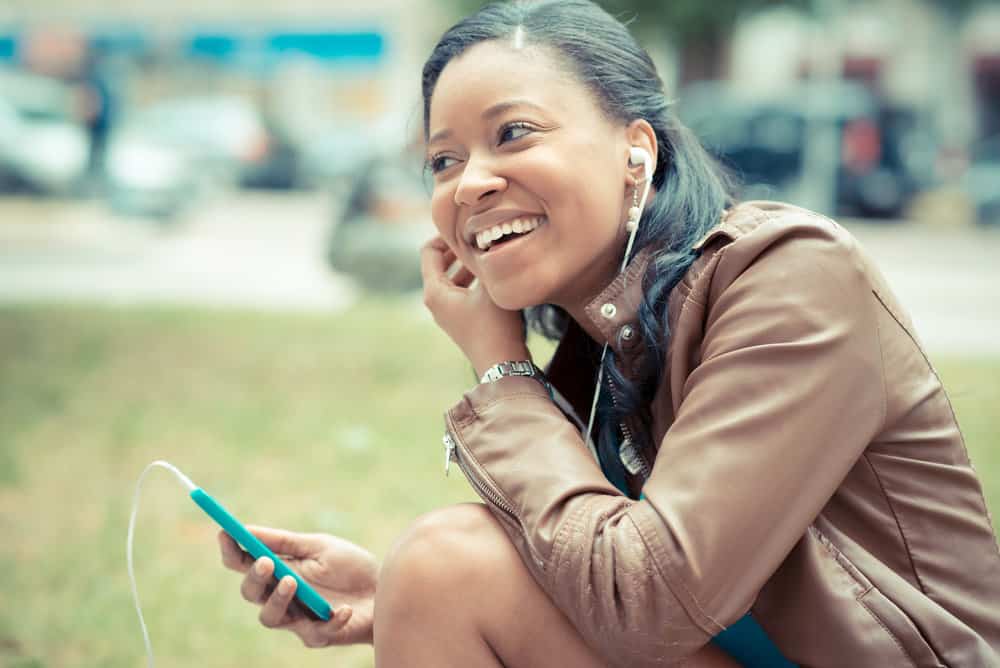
{"x": 245, "y": 250}
{"x": 265, "y": 250}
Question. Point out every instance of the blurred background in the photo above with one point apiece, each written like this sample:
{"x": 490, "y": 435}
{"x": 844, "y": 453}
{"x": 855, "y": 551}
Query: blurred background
{"x": 209, "y": 221}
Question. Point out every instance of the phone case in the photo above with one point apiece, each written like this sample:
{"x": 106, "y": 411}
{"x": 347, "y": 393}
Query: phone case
{"x": 304, "y": 592}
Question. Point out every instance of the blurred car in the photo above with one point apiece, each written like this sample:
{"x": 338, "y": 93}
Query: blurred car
{"x": 383, "y": 222}
{"x": 883, "y": 154}
{"x": 42, "y": 146}
{"x": 165, "y": 155}
{"x": 333, "y": 153}
{"x": 982, "y": 180}
{"x": 147, "y": 175}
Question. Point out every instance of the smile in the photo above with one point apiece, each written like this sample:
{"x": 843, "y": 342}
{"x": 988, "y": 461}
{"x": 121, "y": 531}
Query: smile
{"x": 506, "y": 231}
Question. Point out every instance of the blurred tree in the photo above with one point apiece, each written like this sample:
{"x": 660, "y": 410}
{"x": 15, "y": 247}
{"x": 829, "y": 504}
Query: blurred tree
{"x": 699, "y": 30}
{"x": 957, "y": 9}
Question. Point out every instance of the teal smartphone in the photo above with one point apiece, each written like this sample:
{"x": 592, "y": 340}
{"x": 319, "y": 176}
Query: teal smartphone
{"x": 305, "y": 594}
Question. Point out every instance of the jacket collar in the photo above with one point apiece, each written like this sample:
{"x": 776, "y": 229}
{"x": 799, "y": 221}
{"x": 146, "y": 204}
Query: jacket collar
{"x": 615, "y": 310}
{"x": 616, "y": 307}
{"x": 614, "y": 313}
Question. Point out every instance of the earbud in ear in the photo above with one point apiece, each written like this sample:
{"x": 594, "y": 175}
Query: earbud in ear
{"x": 640, "y": 156}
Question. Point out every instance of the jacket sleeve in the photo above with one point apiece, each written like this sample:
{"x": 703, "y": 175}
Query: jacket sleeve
{"x": 786, "y": 397}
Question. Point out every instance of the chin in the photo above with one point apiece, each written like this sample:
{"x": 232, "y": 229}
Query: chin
{"x": 510, "y": 298}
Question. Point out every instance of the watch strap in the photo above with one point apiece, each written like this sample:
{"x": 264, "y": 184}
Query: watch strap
{"x": 525, "y": 368}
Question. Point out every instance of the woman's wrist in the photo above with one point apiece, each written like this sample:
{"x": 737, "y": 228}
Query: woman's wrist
{"x": 513, "y": 354}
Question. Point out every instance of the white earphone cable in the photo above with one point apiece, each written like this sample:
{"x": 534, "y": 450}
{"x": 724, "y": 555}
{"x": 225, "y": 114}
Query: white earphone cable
{"x": 128, "y": 548}
{"x": 647, "y": 180}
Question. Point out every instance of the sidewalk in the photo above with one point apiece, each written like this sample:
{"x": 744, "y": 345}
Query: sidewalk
{"x": 948, "y": 279}
{"x": 252, "y": 251}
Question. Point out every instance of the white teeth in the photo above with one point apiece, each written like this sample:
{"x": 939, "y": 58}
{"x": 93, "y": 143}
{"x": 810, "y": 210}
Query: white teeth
{"x": 485, "y": 238}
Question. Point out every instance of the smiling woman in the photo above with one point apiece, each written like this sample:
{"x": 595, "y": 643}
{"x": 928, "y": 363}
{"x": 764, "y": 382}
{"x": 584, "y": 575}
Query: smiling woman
{"x": 531, "y": 146}
{"x": 767, "y": 470}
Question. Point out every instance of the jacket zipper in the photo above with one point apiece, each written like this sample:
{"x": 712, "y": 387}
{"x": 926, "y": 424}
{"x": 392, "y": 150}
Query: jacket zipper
{"x": 451, "y": 455}
{"x": 487, "y": 493}
{"x": 643, "y": 468}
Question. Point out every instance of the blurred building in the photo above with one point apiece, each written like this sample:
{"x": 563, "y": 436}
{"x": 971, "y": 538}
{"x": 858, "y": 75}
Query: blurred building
{"x": 907, "y": 52}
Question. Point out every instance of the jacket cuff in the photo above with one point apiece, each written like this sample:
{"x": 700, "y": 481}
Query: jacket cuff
{"x": 484, "y": 395}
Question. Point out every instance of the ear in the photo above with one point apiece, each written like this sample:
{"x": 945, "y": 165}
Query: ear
{"x": 640, "y": 133}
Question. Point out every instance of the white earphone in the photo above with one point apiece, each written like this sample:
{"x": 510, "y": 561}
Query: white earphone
{"x": 638, "y": 155}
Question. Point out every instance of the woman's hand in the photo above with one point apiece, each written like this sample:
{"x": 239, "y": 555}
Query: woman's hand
{"x": 486, "y": 333}
{"x": 341, "y": 572}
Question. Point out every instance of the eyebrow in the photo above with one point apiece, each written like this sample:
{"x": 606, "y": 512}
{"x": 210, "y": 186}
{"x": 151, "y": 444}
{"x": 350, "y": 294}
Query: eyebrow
{"x": 490, "y": 113}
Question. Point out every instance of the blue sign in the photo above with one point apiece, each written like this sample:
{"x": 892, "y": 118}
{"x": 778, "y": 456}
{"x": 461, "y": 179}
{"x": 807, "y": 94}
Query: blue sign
{"x": 214, "y": 46}
{"x": 328, "y": 47}
{"x": 8, "y": 47}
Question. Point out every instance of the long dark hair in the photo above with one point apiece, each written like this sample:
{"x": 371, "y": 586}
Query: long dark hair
{"x": 691, "y": 190}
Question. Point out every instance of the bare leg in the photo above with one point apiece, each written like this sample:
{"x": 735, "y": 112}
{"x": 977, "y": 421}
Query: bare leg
{"x": 454, "y": 592}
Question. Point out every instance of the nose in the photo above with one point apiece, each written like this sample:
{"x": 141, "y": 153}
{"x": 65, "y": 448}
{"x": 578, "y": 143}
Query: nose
{"x": 478, "y": 181}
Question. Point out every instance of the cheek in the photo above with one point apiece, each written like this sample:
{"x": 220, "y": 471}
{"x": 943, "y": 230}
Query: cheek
{"x": 576, "y": 183}
{"x": 443, "y": 212}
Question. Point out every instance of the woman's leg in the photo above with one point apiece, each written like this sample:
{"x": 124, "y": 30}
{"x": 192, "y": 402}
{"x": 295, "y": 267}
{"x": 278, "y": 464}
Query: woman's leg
{"x": 454, "y": 592}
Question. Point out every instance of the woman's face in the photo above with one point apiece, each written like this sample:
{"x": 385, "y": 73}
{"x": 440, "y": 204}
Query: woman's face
{"x": 519, "y": 148}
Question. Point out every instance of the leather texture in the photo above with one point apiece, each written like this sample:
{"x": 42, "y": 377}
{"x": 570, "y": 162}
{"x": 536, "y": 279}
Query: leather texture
{"x": 806, "y": 467}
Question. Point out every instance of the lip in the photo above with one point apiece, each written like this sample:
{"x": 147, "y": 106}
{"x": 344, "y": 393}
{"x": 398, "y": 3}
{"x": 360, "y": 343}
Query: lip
{"x": 484, "y": 221}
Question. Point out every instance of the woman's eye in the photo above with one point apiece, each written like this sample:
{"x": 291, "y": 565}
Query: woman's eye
{"x": 439, "y": 163}
{"x": 513, "y": 131}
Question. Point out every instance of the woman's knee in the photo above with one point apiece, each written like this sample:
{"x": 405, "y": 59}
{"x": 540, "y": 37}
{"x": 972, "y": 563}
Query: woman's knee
{"x": 444, "y": 555}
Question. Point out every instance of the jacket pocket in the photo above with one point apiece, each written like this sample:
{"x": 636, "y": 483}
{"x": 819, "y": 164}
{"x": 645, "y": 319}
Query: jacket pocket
{"x": 889, "y": 616}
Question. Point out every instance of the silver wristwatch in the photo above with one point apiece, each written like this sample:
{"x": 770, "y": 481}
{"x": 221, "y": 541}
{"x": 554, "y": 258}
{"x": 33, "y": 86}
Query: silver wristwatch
{"x": 516, "y": 368}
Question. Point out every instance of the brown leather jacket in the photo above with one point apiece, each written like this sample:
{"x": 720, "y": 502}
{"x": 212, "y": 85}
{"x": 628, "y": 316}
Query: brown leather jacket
{"x": 805, "y": 466}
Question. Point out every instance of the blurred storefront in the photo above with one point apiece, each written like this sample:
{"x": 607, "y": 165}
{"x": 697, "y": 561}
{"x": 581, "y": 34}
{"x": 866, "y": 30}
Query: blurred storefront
{"x": 300, "y": 94}
{"x": 361, "y": 60}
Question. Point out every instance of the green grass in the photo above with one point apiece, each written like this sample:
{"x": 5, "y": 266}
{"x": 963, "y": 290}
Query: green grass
{"x": 318, "y": 423}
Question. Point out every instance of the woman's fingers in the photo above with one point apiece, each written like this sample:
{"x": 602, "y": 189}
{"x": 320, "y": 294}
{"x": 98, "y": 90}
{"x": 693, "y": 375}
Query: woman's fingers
{"x": 290, "y": 543}
{"x": 274, "y": 613}
{"x": 448, "y": 257}
{"x": 439, "y": 264}
{"x": 433, "y": 263}
{"x": 258, "y": 580}
{"x": 463, "y": 277}
{"x": 233, "y": 556}
{"x": 278, "y": 612}
{"x": 322, "y": 634}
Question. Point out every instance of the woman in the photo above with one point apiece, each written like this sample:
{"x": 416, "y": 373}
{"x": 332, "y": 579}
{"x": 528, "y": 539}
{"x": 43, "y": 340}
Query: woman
{"x": 771, "y": 451}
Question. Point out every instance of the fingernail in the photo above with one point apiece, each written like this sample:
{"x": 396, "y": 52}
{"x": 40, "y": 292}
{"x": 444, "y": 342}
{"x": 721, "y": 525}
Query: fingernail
{"x": 285, "y": 585}
{"x": 342, "y": 613}
{"x": 260, "y": 567}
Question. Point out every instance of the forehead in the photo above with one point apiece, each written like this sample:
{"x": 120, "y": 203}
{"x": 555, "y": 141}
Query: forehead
{"x": 494, "y": 72}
